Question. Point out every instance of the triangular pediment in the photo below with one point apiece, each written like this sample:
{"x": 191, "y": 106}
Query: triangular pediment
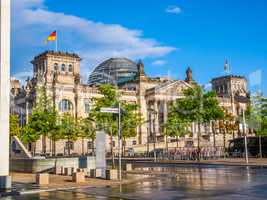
{"x": 171, "y": 88}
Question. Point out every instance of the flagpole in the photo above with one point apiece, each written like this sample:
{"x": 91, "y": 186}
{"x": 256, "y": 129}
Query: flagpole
{"x": 56, "y": 40}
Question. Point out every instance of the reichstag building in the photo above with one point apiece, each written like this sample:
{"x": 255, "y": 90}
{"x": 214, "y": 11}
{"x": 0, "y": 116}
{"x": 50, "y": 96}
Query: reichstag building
{"x": 59, "y": 73}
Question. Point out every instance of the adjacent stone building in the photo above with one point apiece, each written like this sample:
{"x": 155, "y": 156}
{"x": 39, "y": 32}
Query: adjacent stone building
{"x": 59, "y": 73}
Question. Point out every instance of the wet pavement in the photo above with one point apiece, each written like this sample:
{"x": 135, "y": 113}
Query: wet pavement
{"x": 179, "y": 182}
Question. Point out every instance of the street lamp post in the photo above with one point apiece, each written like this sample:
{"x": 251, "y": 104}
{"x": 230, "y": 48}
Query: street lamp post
{"x": 245, "y": 136}
{"x": 119, "y": 139}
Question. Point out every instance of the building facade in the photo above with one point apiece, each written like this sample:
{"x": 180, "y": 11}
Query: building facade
{"x": 59, "y": 73}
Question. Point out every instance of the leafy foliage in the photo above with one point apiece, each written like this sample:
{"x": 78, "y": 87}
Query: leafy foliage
{"x": 108, "y": 121}
{"x": 256, "y": 115}
{"x": 196, "y": 106}
{"x": 43, "y": 121}
{"x": 14, "y": 128}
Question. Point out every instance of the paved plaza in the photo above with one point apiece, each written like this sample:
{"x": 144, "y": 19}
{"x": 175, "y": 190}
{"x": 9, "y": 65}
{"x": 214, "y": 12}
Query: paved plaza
{"x": 180, "y": 182}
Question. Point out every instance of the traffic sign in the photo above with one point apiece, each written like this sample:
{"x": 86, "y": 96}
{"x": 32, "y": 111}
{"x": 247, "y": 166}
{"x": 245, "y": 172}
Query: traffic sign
{"x": 109, "y": 110}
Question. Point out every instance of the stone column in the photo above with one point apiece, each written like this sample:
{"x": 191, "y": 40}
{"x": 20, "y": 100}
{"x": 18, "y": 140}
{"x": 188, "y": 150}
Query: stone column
{"x": 156, "y": 117}
{"x": 165, "y": 116}
{"x": 165, "y": 110}
{"x": 27, "y": 110}
{"x": 5, "y": 180}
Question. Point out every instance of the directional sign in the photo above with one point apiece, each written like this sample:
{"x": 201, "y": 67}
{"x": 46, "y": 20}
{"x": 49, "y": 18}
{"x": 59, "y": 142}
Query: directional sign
{"x": 109, "y": 110}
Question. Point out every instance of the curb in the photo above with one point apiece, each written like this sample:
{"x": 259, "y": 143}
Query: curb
{"x": 206, "y": 163}
{"x": 36, "y": 191}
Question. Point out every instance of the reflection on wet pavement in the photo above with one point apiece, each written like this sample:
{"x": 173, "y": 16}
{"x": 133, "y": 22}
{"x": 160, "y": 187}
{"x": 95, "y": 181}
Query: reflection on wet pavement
{"x": 182, "y": 182}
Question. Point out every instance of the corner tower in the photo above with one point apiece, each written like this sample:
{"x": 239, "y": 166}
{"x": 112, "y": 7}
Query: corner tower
{"x": 232, "y": 93}
{"x": 65, "y": 67}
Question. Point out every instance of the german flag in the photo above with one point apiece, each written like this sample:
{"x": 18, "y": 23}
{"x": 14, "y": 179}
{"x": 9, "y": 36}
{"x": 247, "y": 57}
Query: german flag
{"x": 52, "y": 37}
{"x": 226, "y": 65}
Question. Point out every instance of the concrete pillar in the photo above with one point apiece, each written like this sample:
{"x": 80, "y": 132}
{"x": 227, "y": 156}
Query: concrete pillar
{"x": 5, "y": 181}
{"x": 78, "y": 177}
{"x": 42, "y": 179}
{"x": 129, "y": 167}
{"x": 112, "y": 174}
{"x": 68, "y": 171}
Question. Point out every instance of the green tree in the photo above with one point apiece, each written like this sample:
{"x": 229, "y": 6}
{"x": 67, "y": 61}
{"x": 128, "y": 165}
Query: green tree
{"x": 212, "y": 112}
{"x": 108, "y": 121}
{"x": 227, "y": 125}
{"x": 43, "y": 119}
{"x": 176, "y": 127}
{"x": 14, "y": 128}
{"x": 30, "y": 131}
{"x": 256, "y": 117}
{"x": 130, "y": 120}
{"x": 69, "y": 129}
{"x": 197, "y": 106}
{"x": 88, "y": 131}
{"x": 55, "y": 135}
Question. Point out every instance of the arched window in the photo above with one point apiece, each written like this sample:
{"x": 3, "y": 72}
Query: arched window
{"x": 70, "y": 68}
{"x": 65, "y": 105}
{"x": 63, "y": 67}
{"x": 55, "y": 67}
{"x": 86, "y": 106}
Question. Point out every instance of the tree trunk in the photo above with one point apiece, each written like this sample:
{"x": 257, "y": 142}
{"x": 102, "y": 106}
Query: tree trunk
{"x": 93, "y": 147}
{"x": 177, "y": 142}
{"x": 44, "y": 144}
{"x": 214, "y": 137}
{"x": 34, "y": 148}
{"x": 224, "y": 142}
{"x": 83, "y": 146}
{"x": 123, "y": 147}
{"x": 53, "y": 147}
{"x": 111, "y": 150}
{"x": 166, "y": 147}
{"x": 198, "y": 141}
{"x": 233, "y": 134}
{"x": 68, "y": 147}
{"x": 260, "y": 146}
{"x": 214, "y": 133}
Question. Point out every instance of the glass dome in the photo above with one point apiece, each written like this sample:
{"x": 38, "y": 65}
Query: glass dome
{"x": 113, "y": 71}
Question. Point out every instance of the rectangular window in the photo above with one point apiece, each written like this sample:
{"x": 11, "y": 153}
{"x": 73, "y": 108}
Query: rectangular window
{"x": 90, "y": 145}
{"x": 69, "y": 145}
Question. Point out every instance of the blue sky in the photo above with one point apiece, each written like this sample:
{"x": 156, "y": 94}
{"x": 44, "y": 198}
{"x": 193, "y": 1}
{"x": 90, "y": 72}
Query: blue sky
{"x": 168, "y": 35}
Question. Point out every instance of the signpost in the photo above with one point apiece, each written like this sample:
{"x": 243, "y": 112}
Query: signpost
{"x": 118, "y": 112}
{"x": 109, "y": 110}
{"x": 245, "y": 136}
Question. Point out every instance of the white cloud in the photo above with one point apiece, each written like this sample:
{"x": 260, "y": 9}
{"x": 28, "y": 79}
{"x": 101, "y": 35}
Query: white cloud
{"x": 173, "y": 9}
{"x": 94, "y": 41}
{"x": 22, "y": 76}
{"x": 255, "y": 78}
{"x": 158, "y": 62}
{"x": 207, "y": 86}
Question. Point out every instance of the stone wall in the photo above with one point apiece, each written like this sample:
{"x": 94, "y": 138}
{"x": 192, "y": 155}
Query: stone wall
{"x": 45, "y": 165}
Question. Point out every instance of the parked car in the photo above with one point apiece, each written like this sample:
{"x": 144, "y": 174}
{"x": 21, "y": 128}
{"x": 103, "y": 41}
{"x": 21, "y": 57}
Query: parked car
{"x": 237, "y": 146}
